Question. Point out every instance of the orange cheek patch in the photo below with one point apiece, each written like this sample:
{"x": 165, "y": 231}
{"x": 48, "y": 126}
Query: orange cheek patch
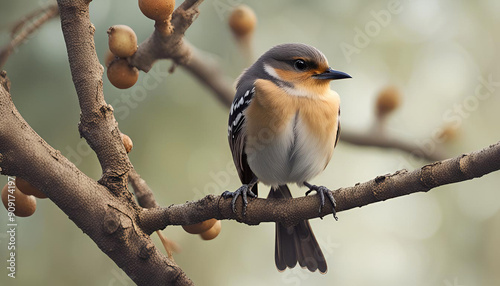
{"x": 305, "y": 81}
{"x": 292, "y": 76}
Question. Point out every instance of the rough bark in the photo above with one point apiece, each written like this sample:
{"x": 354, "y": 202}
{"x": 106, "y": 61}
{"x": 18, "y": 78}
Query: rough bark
{"x": 110, "y": 219}
{"x": 97, "y": 123}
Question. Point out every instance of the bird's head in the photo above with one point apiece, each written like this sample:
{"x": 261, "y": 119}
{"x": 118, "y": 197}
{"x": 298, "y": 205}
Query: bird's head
{"x": 300, "y": 68}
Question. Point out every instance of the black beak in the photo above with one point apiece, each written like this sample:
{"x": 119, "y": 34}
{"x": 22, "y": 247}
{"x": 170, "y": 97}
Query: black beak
{"x": 331, "y": 74}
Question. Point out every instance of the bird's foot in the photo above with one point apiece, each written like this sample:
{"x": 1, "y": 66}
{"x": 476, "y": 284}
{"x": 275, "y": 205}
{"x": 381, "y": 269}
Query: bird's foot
{"x": 322, "y": 191}
{"x": 244, "y": 191}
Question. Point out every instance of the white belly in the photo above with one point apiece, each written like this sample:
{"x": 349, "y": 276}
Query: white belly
{"x": 293, "y": 156}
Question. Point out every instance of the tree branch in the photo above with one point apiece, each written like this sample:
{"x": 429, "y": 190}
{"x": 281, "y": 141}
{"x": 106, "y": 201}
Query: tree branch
{"x": 143, "y": 193}
{"x": 168, "y": 46}
{"x": 111, "y": 221}
{"x": 203, "y": 67}
{"x": 97, "y": 123}
{"x": 174, "y": 46}
{"x": 386, "y": 141}
{"x": 291, "y": 211}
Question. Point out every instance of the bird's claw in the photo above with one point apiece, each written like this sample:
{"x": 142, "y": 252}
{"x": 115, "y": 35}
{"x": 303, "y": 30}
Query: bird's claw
{"x": 244, "y": 191}
{"x": 321, "y": 190}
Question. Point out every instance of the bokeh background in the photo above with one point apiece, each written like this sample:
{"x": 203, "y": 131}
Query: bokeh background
{"x": 435, "y": 51}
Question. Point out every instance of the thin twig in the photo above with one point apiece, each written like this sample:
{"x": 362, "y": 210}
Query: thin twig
{"x": 25, "y": 27}
{"x": 386, "y": 141}
{"x": 142, "y": 191}
{"x": 146, "y": 199}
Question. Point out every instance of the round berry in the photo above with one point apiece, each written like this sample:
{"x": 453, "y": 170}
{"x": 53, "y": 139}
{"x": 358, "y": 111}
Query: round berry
{"x": 121, "y": 74}
{"x": 388, "y": 100}
{"x": 213, "y": 232}
{"x": 109, "y": 58}
{"x": 158, "y": 10}
{"x": 198, "y": 228}
{"x": 127, "y": 142}
{"x": 242, "y": 20}
{"x": 16, "y": 202}
{"x": 122, "y": 41}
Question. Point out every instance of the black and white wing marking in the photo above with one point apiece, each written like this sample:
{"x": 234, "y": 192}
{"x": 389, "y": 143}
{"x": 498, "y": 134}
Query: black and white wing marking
{"x": 236, "y": 114}
{"x": 237, "y": 134}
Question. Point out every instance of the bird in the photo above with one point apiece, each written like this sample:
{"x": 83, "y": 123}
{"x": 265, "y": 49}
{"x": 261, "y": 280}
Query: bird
{"x": 284, "y": 124}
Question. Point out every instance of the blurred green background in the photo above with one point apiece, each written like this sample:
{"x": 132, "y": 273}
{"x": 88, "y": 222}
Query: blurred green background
{"x": 435, "y": 51}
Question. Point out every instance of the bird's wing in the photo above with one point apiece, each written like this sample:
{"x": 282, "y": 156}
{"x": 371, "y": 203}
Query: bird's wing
{"x": 237, "y": 134}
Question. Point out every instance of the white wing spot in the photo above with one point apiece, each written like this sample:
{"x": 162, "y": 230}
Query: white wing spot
{"x": 237, "y": 119}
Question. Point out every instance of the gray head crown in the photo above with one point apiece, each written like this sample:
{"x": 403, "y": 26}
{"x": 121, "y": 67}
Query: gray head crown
{"x": 282, "y": 56}
{"x": 292, "y": 51}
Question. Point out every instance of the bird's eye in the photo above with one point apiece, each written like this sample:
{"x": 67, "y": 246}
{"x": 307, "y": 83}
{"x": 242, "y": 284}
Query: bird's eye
{"x": 300, "y": 65}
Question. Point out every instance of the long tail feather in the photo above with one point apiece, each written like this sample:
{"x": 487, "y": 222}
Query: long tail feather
{"x": 296, "y": 243}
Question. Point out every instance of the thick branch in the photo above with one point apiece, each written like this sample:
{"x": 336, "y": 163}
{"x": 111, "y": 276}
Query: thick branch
{"x": 109, "y": 220}
{"x": 97, "y": 123}
{"x": 291, "y": 211}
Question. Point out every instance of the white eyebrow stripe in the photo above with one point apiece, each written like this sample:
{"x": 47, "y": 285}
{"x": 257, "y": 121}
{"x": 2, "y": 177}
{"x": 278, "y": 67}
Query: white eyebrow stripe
{"x": 271, "y": 71}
